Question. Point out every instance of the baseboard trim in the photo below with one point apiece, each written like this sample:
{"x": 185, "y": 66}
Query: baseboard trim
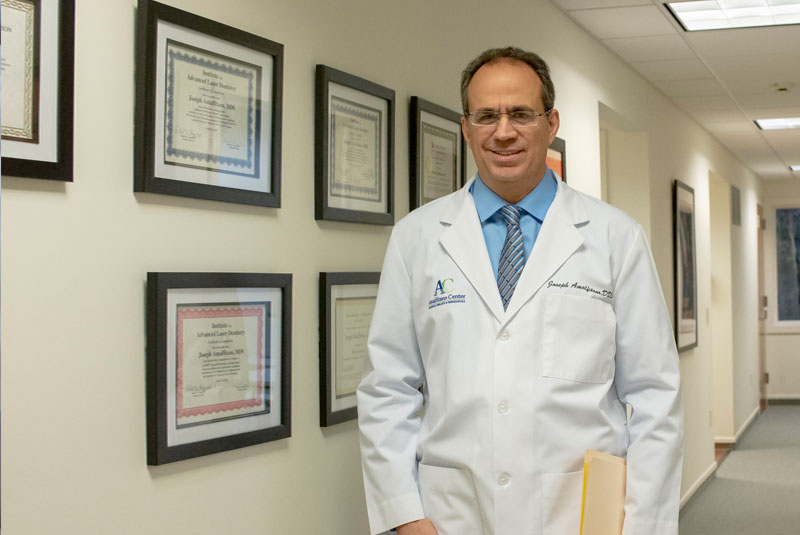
{"x": 698, "y": 485}
{"x": 783, "y": 401}
{"x": 747, "y": 423}
{"x": 724, "y": 440}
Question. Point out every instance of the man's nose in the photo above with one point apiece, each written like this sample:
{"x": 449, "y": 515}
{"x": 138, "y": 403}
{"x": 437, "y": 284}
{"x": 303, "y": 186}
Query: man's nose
{"x": 504, "y": 129}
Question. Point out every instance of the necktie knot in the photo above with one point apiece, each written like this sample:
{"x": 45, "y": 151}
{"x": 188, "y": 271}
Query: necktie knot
{"x": 510, "y": 215}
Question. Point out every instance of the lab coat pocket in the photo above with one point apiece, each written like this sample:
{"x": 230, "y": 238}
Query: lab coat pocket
{"x": 579, "y": 338}
{"x": 561, "y": 503}
{"x": 449, "y": 500}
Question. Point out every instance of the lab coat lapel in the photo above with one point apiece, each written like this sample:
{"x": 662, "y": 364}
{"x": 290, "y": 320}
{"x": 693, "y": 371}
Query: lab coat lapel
{"x": 464, "y": 242}
{"x": 558, "y": 239}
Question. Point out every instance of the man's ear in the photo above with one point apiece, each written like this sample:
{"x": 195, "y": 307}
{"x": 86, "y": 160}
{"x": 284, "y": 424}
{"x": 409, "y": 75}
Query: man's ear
{"x": 553, "y": 122}
{"x": 464, "y": 129}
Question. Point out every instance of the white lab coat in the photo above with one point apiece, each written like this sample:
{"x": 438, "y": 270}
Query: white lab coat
{"x": 514, "y": 398}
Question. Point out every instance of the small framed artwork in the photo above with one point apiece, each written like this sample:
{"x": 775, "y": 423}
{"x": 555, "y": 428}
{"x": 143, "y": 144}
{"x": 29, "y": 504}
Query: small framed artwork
{"x": 436, "y": 152}
{"x": 557, "y": 158}
{"x": 346, "y": 304}
{"x": 208, "y": 109}
{"x": 38, "y": 56}
{"x": 218, "y": 362}
{"x": 685, "y": 267}
{"x": 354, "y": 149}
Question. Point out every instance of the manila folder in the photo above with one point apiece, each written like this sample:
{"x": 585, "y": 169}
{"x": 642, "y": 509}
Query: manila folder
{"x": 603, "y": 508}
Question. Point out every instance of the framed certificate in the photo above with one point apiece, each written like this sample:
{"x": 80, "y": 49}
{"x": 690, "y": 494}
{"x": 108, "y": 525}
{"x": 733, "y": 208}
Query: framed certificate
{"x": 208, "y": 109}
{"x": 354, "y": 149}
{"x": 218, "y": 362}
{"x": 557, "y": 158}
{"x": 437, "y": 152}
{"x": 346, "y": 303}
{"x": 37, "y": 88}
{"x": 685, "y": 267}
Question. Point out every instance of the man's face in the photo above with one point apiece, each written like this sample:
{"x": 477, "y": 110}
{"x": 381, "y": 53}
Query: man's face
{"x": 510, "y": 159}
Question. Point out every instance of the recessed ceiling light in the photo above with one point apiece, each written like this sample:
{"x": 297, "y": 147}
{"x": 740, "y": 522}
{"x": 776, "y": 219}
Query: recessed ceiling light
{"x": 726, "y": 14}
{"x": 783, "y": 123}
{"x": 795, "y": 168}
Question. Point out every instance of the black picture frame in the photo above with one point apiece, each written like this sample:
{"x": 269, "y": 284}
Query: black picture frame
{"x": 374, "y": 105}
{"x": 62, "y": 167}
{"x": 557, "y": 158}
{"x": 337, "y": 402}
{"x": 206, "y": 297}
{"x": 685, "y": 267}
{"x": 250, "y": 173}
{"x": 416, "y": 164}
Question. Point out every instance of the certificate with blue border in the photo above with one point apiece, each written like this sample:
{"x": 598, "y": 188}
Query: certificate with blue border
{"x": 355, "y": 150}
{"x": 212, "y": 111}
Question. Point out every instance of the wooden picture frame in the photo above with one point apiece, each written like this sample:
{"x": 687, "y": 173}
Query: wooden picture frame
{"x": 209, "y": 101}
{"x": 218, "y": 362}
{"x": 354, "y": 149}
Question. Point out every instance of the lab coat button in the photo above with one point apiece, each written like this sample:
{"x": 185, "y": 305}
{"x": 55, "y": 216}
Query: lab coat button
{"x": 502, "y": 407}
{"x": 504, "y": 480}
{"x": 504, "y": 335}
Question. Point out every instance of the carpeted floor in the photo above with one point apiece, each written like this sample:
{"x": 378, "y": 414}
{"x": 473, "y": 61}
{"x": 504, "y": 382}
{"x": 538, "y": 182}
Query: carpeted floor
{"x": 757, "y": 488}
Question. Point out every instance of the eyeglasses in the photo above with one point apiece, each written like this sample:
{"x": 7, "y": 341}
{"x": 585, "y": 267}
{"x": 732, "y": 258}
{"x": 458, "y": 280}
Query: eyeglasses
{"x": 517, "y": 118}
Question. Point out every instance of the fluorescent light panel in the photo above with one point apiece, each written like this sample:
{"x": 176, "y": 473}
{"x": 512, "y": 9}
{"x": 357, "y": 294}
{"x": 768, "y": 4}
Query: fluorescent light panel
{"x": 795, "y": 168}
{"x": 783, "y": 123}
{"x": 725, "y": 14}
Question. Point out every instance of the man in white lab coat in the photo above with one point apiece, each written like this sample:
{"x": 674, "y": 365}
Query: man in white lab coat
{"x": 530, "y": 314}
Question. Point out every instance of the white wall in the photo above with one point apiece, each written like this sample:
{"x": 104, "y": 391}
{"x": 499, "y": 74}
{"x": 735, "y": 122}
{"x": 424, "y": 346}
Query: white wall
{"x": 783, "y": 344}
{"x": 75, "y": 256}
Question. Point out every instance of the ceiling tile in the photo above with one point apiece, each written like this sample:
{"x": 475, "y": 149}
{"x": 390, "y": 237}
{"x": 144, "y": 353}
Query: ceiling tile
{"x": 718, "y": 116}
{"x": 687, "y": 88}
{"x": 657, "y": 47}
{"x": 773, "y": 113}
{"x": 718, "y": 102}
{"x": 746, "y": 41}
{"x": 672, "y": 69}
{"x": 770, "y": 100}
{"x": 567, "y": 5}
{"x": 618, "y": 22}
{"x": 766, "y": 67}
{"x": 786, "y": 143}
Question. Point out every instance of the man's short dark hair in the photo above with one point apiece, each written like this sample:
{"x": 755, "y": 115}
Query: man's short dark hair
{"x": 510, "y": 53}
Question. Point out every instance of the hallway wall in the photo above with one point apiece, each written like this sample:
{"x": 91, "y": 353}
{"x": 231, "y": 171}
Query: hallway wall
{"x": 74, "y": 259}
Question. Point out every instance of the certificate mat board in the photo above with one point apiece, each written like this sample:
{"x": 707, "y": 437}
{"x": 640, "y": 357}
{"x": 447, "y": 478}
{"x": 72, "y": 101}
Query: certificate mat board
{"x": 603, "y": 505}
{"x": 218, "y": 362}
{"x": 347, "y": 302}
{"x": 208, "y": 108}
{"x": 437, "y": 152}
{"x": 37, "y": 88}
{"x": 354, "y": 149}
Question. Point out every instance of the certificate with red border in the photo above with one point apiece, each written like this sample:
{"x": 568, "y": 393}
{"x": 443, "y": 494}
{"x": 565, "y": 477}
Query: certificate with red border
{"x": 222, "y": 361}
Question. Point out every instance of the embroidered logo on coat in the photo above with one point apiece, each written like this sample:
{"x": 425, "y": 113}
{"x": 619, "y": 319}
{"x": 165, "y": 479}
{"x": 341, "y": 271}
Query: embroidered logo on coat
{"x": 443, "y": 294}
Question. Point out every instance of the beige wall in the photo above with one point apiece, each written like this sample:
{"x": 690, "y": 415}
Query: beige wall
{"x": 75, "y": 255}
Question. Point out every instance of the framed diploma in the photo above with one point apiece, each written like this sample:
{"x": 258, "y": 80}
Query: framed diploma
{"x": 346, "y": 303}
{"x": 557, "y": 158}
{"x": 685, "y": 267}
{"x": 36, "y": 103}
{"x": 208, "y": 109}
{"x": 437, "y": 152}
{"x": 354, "y": 149}
{"x": 218, "y": 362}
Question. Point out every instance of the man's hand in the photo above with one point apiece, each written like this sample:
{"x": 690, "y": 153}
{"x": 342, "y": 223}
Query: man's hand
{"x": 418, "y": 527}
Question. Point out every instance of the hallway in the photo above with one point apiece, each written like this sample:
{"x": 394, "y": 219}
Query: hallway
{"x": 757, "y": 487}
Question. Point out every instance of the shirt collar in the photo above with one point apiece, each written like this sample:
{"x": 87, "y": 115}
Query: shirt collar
{"x": 536, "y": 203}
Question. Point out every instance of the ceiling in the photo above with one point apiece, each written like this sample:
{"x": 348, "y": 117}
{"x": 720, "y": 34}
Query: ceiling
{"x": 723, "y": 79}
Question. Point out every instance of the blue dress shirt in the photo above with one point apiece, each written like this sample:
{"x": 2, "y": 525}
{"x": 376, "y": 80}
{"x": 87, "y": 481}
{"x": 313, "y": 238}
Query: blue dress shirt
{"x": 533, "y": 207}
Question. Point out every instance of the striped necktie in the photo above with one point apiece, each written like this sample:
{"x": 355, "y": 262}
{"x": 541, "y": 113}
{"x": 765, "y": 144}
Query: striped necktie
{"x": 512, "y": 257}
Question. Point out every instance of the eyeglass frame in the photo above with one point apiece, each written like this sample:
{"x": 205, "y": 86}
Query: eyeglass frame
{"x": 536, "y": 115}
